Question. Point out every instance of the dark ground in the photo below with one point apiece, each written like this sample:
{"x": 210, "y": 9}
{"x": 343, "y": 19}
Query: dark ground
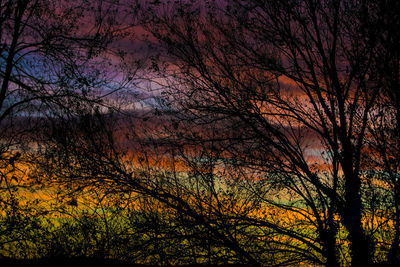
{"x": 77, "y": 262}
{"x": 92, "y": 262}
{"x": 64, "y": 262}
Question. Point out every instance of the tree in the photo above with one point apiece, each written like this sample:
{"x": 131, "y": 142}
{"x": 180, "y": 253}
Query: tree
{"x": 385, "y": 122}
{"x": 300, "y": 77}
{"x": 52, "y": 58}
{"x": 267, "y": 121}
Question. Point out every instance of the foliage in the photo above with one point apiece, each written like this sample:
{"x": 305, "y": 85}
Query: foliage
{"x": 273, "y": 139}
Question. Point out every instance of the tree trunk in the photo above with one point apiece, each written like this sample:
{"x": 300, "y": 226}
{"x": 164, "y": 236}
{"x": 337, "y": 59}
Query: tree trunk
{"x": 332, "y": 259}
{"x": 329, "y": 240}
{"x": 360, "y": 243}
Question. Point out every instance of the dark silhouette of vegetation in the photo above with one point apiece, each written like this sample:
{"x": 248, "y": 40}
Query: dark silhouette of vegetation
{"x": 53, "y": 58}
{"x": 269, "y": 136}
{"x": 302, "y": 79}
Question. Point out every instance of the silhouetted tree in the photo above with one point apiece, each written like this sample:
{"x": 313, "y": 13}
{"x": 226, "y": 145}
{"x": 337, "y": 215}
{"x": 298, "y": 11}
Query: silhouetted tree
{"x": 260, "y": 150}
{"x": 302, "y": 79}
{"x": 386, "y": 119}
{"x": 53, "y": 56}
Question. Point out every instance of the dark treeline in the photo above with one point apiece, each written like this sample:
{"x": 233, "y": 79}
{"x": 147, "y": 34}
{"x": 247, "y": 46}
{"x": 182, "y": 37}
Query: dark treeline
{"x": 200, "y": 132}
